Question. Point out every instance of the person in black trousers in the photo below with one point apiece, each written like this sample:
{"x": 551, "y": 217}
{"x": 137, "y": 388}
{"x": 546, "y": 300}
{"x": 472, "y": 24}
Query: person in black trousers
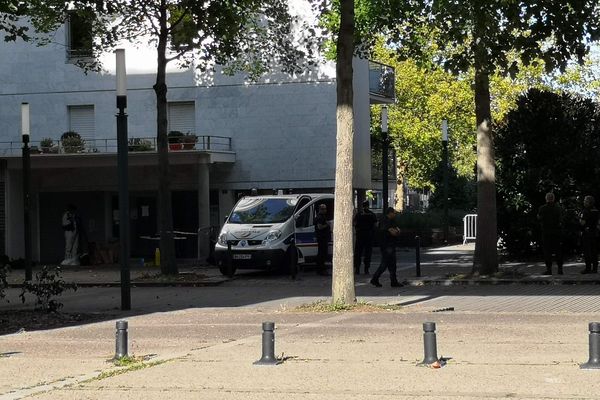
{"x": 550, "y": 217}
{"x": 389, "y": 233}
{"x": 364, "y": 223}
{"x": 323, "y": 235}
{"x": 589, "y": 235}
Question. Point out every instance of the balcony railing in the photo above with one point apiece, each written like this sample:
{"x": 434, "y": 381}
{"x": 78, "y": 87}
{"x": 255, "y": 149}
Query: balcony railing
{"x": 382, "y": 80}
{"x": 95, "y": 146}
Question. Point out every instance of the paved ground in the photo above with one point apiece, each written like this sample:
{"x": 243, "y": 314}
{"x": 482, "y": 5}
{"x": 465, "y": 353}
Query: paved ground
{"x": 505, "y": 341}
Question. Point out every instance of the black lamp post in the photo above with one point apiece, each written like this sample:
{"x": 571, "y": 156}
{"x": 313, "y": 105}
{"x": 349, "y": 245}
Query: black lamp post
{"x": 384, "y": 157}
{"x": 445, "y": 172}
{"x": 26, "y": 189}
{"x": 122, "y": 168}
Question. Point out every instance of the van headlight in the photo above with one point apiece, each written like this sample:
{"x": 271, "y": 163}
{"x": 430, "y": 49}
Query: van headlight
{"x": 223, "y": 239}
{"x": 271, "y": 237}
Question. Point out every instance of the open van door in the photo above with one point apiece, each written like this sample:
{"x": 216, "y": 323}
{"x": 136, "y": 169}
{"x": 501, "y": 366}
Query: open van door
{"x": 304, "y": 232}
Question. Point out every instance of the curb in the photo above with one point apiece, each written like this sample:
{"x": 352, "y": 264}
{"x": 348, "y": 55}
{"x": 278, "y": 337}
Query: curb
{"x": 496, "y": 281}
{"x": 141, "y": 284}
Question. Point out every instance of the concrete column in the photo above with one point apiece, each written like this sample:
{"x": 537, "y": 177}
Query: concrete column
{"x": 203, "y": 212}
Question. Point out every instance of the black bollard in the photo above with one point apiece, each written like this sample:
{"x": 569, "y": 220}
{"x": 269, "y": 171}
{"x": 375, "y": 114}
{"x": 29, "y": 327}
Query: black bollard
{"x": 121, "y": 342}
{"x": 429, "y": 342}
{"x": 418, "y": 255}
{"x": 594, "y": 361}
{"x": 268, "y": 345}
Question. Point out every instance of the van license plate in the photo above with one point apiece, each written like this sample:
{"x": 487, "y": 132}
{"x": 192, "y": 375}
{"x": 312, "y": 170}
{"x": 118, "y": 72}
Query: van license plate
{"x": 242, "y": 256}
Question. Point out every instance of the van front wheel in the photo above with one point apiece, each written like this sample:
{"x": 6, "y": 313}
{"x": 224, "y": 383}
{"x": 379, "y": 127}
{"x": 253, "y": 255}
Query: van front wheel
{"x": 290, "y": 262}
{"x": 227, "y": 270}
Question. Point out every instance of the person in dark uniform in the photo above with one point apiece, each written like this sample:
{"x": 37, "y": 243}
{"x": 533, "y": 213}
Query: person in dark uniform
{"x": 550, "y": 217}
{"x": 323, "y": 236}
{"x": 589, "y": 235}
{"x": 364, "y": 223}
{"x": 389, "y": 233}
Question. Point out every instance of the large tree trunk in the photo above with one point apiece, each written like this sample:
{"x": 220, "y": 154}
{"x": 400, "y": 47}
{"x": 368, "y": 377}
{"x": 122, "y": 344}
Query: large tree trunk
{"x": 168, "y": 264}
{"x": 343, "y": 269}
{"x": 399, "y": 196}
{"x": 486, "y": 254}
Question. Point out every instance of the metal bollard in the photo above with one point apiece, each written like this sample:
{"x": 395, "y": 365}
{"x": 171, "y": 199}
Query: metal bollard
{"x": 121, "y": 342}
{"x": 429, "y": 342}
{"x": 418, "y": 255}
{"x": 594, "y": 361}
{"x": 268, "y": 345}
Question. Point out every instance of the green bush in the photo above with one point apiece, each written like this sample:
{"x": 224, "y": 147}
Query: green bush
{"x": 72, "y": 142}
{"x": 550, "y": 142}
{"x": 47, "y": 285}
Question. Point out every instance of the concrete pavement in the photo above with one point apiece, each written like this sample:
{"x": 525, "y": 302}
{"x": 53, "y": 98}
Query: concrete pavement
{"x": 505, "y": 341}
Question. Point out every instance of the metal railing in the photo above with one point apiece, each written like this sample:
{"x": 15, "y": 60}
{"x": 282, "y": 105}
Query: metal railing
{"x": 94, "y": 146}
{"x": 469, "y": 227}
{"x": 382, "y": 80}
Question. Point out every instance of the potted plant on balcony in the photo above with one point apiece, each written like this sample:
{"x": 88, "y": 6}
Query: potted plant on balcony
{"x": 47, "y": 146}
{"x": 175, "y": 140}
{"x": 139, "y": 144}
{"x": 72, "y": 142}
{"x": 189, "y": 141}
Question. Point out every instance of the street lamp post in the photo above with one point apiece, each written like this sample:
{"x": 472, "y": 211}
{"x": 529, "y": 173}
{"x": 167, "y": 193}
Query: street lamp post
{"x": 385, "y": 155}
{"x": 122, "y": 168}
{"x": 445, "y": 172}
{"x": 26, "y": 189}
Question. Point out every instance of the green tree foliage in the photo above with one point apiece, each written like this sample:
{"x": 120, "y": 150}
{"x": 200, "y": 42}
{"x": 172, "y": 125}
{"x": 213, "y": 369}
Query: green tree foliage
{"x": 550, "y": 142}
{"x": 483, "y": 34}
{"x": 425, "y": 96}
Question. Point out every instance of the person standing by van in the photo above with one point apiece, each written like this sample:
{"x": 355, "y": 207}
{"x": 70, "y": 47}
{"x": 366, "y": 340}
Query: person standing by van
{"x": 389, "y": 233}
{"x": 364, "y": 223}
{"x": 323, "y": 236}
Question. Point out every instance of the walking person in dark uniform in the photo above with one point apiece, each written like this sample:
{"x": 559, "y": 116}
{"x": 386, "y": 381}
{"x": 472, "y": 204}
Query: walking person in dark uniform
{"x": 389, "y": 233}
{"x": 589, "y": 235}
{"x": 364, "y": 223}
{"x": 323, "y": 235}
{"x": 550, "y": 217}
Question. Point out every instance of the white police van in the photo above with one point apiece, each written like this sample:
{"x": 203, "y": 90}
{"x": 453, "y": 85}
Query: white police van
{"x": 270, "y": 232}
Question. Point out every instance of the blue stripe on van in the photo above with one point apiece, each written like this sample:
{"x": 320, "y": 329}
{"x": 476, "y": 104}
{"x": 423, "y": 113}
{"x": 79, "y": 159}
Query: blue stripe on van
{"x": 305, "y": 237}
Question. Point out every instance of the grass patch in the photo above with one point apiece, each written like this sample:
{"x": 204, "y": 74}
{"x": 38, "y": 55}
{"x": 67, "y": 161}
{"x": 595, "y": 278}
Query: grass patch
{"x": 322, "y": 306}
{"x": 130, "y": 367}
{"x": 159, "y": 278}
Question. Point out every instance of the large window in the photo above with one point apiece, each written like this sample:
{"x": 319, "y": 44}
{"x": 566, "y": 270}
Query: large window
{"x": 182, "y": 116}
{"x": 82, "y": 121}
{"x": 79, "y": 36}
{"x": 260, "y": 210}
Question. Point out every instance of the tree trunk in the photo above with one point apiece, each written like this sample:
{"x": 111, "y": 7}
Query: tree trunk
{"x": 399, "y": 196}
{"x": 168, "y": 264}
{"x": 343, "y": 269}
{"x": 486, "y": 254}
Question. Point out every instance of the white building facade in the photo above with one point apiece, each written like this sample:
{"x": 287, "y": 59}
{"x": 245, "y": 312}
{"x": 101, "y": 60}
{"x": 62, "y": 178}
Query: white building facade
{"x": 278, "y": 133}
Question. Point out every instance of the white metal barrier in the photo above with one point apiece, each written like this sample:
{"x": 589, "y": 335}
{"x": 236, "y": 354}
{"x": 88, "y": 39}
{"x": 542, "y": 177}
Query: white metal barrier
{"x": 469, "y": 227}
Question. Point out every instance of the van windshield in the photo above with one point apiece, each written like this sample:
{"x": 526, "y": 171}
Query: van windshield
{"x": 256, "y": 210}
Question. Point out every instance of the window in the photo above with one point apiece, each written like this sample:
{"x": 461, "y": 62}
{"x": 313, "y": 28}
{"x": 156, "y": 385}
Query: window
{"x": 79, "y": 36}
{"x": 182, "y": 116}
{"x": 82, "y": 121}
{"x": 303, "y": 220}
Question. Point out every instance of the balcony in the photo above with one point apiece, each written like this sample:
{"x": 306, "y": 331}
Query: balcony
{"x": 109, "y": 146}
{"x": 382, "y": 80}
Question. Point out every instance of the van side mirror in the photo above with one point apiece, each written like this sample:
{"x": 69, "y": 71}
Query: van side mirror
{"x": 225, "y": 219}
